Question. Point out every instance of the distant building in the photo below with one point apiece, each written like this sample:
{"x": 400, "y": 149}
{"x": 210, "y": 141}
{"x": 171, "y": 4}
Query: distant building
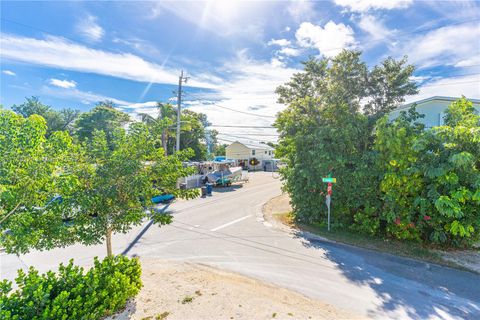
{"x": 433, "y": 108}
{"x": 245, "y": 154}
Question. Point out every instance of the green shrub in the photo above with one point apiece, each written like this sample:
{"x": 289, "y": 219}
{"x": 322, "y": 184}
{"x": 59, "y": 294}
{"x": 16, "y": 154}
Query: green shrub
{"x": 71, "y": 293}
{"x": 431, "y": 178}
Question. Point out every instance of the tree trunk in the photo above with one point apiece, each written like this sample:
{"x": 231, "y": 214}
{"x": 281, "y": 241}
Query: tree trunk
{"x": 108, "y": 237}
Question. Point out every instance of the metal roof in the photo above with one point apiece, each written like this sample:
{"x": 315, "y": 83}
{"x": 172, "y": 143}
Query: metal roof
{"x": 252, "y": 145}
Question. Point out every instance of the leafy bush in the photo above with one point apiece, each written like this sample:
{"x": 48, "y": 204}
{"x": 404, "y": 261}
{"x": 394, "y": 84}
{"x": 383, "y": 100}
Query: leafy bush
{"x": 394, "y": 178}
{"x": 70, "y": 293}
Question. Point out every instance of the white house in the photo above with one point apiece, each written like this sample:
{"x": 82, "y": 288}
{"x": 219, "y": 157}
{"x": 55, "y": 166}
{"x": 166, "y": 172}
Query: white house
{"x": 433, "y": 108}
{"x": 245, "y": 152}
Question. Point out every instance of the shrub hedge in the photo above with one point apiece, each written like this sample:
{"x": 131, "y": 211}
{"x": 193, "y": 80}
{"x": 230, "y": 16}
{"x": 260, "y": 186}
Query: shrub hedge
{"x": 71, "y": 293}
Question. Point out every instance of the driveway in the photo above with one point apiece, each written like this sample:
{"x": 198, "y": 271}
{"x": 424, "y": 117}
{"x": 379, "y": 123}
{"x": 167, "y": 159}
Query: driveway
{"x": 228, "y": 231}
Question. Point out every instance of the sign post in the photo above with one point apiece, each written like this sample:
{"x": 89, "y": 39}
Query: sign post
{"x": 328, "y": 201}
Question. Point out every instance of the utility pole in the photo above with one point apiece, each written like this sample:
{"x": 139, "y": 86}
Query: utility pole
{"x": 181, "y": 80}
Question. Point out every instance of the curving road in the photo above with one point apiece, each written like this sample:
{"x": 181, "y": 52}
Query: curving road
{"x": 228, "y": 231}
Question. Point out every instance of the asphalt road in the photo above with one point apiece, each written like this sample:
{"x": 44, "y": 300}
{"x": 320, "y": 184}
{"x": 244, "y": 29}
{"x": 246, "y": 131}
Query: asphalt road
{"x": 227, "y": 230}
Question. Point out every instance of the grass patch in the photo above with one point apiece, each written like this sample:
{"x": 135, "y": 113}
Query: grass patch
{"x": 162, "y": 316}
{"x": 187, "y": 299}
{"x": 407, "y": 249}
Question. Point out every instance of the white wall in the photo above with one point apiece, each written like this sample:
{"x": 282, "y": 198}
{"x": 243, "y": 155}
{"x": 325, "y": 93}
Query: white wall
{"x": 433, "y": 110}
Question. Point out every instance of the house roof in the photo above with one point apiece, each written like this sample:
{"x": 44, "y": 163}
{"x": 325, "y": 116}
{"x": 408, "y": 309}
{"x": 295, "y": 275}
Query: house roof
{"x": 441, "y": 98}
{"x": 253, "y": 145}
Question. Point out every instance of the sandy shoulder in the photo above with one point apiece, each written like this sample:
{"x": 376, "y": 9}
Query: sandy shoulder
{"x": 195, "y": 291}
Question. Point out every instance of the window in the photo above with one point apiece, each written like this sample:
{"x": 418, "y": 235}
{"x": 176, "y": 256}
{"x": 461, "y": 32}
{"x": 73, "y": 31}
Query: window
{"x": 441, "y": 120}
{"x": 265, "y": 151}
{"x": 253, "y": 152}
{"x": 269, "y": 153}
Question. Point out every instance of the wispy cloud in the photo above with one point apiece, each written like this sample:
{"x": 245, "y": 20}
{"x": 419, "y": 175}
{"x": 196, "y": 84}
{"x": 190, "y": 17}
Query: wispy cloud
{"x": 63, "y": 83}
{"x": 374, "y": 27}
{"x": 468, "y": 86}
{"x": 89, "y": 29}
{"x": 366, "y": 5}
{"x": 279, "y": 42}
{"x": 61, "y": 53}
{"x": 83, "y": 96}
{"x": 444, "y": 46}
{"x": 9, "y": 73}
{"x": 301, "y": 10}
{"x": 329, "y": 40}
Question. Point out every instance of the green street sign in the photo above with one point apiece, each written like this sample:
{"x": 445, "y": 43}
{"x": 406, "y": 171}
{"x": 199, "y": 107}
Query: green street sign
{"x": 331, "y": 180}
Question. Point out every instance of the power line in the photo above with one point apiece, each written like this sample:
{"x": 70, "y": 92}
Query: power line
{"x": 233, "y": 126}
{"x": 240, "y": 137}
{"x": 254, "y": 134}
{"x": 244, "y": 112}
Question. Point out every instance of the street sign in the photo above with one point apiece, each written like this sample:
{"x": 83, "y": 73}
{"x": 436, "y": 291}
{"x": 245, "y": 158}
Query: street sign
{"x": 329, "y": 180}
{"x": 329, "y": 189}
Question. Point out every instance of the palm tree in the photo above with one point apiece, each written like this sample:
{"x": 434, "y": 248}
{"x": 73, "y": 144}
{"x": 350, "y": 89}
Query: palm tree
{"x": 163, "y": 122}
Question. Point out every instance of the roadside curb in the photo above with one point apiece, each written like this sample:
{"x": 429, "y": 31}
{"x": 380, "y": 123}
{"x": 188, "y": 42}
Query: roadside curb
{"x": 299, "y": 233}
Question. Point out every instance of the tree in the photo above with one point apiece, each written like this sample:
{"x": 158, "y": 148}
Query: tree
{"x": 56, "y": 120}
{"x": 54, "y": 192}
{"x": 162, "y": 124}
{"x": 122, "y": 178}
{"x": 388, "y": 84}
{"x": 194, "y": 135}
{"x": 324, "y": 131}
{"x": 34, "y": 170}
{"x": 104, "y": 117}
{"x": 431, "y": 178}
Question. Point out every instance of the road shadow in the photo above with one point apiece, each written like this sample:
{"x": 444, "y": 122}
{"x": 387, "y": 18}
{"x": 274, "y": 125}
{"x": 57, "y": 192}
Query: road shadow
{"x": 422, "y": 290}
{"x": 159, "y": 209}
{"x": 233, "y": 187}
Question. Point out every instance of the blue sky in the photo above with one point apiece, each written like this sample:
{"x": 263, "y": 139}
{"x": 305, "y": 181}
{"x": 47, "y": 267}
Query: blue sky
{"x": 75, "y": 53}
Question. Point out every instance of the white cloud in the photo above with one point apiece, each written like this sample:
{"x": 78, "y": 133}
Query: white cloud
{"x": 250, "y": 87}
{"x": 329, "y": 40}
{"x": 469, "y": 86}
{"x": 60, "y": 53}
{"x": 9, "y": 73}
{"x": 226, "y": 18}
{"x": 89, "y": 28}
{"x": 374, "y": 27}
{"x": 279, "y": 42}
{"x": 469, "y": 62}
{"x": 75, "y": 94}
{"x": 301, "y": 10}
{"x": 366, "y": 5}
{"x": 291, "y": 52}
{"x": 445, "y": 46}
{"x": 63, "y": 83}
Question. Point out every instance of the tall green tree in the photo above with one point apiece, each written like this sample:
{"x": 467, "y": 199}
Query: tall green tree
{"x": 104, "y": 117}
{"x": 54, "y": 192}
{"x": 56, "y": 120}
{"x": 327, "y": 128}
{"x": 34, "y": 170}
{"x": 122, "y": 180}
{"x": 431, "y": 178}
{"x": 162, "y": 124}
{"x": 194, "y": 135}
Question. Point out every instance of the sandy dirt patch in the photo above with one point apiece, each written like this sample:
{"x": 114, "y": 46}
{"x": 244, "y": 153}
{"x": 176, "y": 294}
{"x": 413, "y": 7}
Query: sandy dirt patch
{"x": 193, "y": 291}
{"x": 276, "y": 207}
